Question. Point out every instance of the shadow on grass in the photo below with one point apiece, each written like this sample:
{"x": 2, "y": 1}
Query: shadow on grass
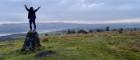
{"x": 45, "y": 53}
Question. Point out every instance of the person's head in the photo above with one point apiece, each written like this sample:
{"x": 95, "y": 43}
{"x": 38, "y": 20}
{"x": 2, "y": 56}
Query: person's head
{"x": 31, "y": 8}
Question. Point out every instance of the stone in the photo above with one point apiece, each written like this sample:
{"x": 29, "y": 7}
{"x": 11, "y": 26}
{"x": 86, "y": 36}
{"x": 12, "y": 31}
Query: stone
{"x": 45, "y": 53}
{"x": 32, "y": 42}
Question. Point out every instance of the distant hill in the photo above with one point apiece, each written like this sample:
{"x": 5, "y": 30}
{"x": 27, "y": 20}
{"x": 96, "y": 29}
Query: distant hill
{"x": 49, "y": 27}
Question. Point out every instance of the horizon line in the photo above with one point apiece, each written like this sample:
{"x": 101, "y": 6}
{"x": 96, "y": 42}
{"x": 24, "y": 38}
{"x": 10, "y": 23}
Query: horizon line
{"x": 125, "y": 21}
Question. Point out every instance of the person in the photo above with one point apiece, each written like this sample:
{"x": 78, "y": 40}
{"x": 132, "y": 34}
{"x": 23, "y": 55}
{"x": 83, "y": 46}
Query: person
{"x": 32, "y": 16}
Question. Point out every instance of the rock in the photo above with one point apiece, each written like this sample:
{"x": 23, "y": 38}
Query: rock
{"x": 32, "y": 42}
{"x": 45, "y": 53}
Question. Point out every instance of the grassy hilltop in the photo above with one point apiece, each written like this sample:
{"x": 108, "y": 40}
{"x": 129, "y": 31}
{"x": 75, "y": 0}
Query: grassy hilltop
{"x": 92, "y": 46}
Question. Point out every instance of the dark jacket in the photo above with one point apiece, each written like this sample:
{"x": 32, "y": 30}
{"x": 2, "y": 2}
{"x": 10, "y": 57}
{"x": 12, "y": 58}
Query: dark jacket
{"x": 31, "y": 14}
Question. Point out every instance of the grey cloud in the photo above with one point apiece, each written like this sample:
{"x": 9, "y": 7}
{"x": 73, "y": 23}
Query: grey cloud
{"x": 73, "y": 9}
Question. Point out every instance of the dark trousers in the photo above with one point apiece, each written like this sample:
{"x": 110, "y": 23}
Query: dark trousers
{"x": 32, "y": 21}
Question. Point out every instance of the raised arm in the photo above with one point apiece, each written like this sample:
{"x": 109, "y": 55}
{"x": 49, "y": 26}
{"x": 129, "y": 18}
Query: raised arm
{"x": 37, "y": 9}
{"x": 26, "y": 7}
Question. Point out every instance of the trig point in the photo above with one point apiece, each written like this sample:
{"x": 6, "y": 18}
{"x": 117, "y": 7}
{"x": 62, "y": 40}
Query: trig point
{"x": 32, "y": 41}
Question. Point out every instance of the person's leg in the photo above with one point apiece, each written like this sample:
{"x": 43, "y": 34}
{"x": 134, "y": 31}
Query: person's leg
{"x": 34, "y": 25}
{"x": 30, "y": 24}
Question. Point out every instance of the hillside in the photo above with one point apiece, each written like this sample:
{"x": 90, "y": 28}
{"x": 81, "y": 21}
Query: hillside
{"x": 93, "y": 46}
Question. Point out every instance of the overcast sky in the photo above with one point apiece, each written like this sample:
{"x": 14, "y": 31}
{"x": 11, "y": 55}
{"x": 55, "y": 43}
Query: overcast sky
{"x": 72, "y": 11}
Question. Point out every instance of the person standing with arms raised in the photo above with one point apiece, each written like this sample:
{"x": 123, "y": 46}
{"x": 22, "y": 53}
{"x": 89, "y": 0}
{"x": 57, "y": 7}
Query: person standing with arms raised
{"x": 32, "y": 16}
